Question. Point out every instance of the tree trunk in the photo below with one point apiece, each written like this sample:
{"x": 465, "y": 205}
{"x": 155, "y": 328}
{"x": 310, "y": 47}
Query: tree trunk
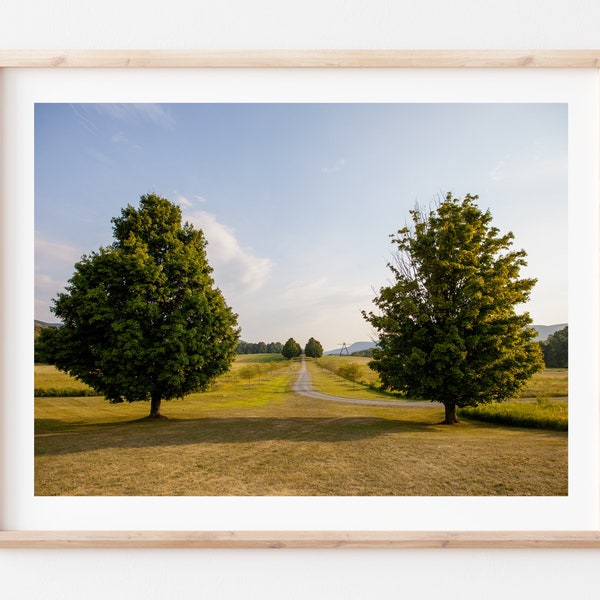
{"x": 450, "y": 417}
{"x": 155, "y": 406}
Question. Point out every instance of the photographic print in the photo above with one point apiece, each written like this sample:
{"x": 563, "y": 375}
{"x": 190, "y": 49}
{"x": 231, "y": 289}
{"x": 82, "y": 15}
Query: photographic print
{"x": 301, "y": 299}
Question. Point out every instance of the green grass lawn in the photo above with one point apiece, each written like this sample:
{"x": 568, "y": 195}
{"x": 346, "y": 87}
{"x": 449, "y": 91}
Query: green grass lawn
{"x": 259, "y": 438}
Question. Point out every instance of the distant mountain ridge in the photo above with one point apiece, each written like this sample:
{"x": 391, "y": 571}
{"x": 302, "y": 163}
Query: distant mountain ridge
{"x": 355, "y": 347}
{"x": 544, "y": 331}
{"x": 37, "y": 323}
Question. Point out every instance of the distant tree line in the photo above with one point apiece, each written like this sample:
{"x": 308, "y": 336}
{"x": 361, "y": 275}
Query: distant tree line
{"x": 368, "y": 353}
{"x": 259, "y": 347}
{"x": 556, "y": 349}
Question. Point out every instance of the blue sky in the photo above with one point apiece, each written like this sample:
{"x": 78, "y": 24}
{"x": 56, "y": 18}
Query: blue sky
{"x": 297, "y": 201}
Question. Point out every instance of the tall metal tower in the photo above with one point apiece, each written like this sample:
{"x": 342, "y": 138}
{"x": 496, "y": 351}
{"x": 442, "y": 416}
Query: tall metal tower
{"x": 344, "y": 347}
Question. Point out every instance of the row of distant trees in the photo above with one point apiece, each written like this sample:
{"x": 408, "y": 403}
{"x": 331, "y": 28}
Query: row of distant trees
{"x": 291, "y": 349}
{"x": 259, "y": 347}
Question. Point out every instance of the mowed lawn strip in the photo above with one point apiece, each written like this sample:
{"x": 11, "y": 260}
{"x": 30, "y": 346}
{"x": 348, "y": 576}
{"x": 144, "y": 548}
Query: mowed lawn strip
{"x": 257, "y": 437}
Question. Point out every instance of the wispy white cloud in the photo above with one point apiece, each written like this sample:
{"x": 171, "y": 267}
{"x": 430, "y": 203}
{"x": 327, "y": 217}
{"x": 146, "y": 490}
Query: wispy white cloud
{"x": 183, "y": 201}
{"x": 529, "y": 165}
{"x": 235, "y": 267}
{"x": 322, "y": 291}
{"x": 498, "y": 172}
{"x": 121, "y": 138}
{"x": 53, "y": 260}
{"x": 83, "y": 120}
{"x": 337, "y": 166}
{"x": 48, "y": 251}
{"x": 54, "y": 263}
{"x": 323, "y": 307}
{"x": 155, "y": 113}
{"x": 188, "y": 202}
{"x": 99, "y": 156}
{"x": 46, "y": 288}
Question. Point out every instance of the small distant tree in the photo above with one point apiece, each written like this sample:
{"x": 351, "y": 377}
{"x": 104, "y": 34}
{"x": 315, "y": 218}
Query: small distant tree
{"x": 291, "y": 349}
{"x": 142, "y": 318}
{"x": 313, "y": 348}
{"x": 556, "y": 349}
{"x": 350, "y": 371}
{"x": 248, "y": 372}
{"x": 448, "y": 329}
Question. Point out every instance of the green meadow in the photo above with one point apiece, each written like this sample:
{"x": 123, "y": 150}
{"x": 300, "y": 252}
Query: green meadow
{"x": 252, "y": 435}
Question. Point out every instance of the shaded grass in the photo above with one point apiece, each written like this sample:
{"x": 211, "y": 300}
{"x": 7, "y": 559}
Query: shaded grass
{"x": 542, "y": 414}
{"x": 265, "y": 440}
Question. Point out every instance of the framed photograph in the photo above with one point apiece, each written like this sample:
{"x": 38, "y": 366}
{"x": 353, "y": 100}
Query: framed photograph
{"x": 306, "y": 180}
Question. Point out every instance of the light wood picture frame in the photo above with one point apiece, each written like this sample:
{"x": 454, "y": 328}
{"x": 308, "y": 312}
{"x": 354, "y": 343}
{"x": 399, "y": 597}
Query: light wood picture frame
{"x": 276, "y": 59}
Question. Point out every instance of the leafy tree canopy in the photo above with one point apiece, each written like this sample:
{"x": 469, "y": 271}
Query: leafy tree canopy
{"x": 142, "y": 318}
{"x": 448, "y": 329}
{"x": 313, "y": 348}
{"x": 351, "y": 371}
{"x": 291, "y": 349}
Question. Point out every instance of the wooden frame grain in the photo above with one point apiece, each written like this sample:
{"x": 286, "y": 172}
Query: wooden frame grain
{"x": 171, "y": 59}
{"x": 562, "y": 59}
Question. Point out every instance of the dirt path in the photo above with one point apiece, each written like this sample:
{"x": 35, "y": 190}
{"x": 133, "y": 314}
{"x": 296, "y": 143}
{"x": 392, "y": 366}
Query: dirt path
{"x": 303, "y": 386}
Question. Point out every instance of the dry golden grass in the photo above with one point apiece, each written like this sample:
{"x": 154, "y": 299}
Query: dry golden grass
{"x": 263, "y": 439}
{"x": 549, "y": 383}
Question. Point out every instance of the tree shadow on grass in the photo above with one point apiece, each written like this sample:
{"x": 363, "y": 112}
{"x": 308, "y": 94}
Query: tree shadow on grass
{"x": 53, "y": 439}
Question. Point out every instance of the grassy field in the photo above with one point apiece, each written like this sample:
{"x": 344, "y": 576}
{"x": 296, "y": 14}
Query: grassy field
{"x": 254, "y": 436}
{"x": 550, "y": 383}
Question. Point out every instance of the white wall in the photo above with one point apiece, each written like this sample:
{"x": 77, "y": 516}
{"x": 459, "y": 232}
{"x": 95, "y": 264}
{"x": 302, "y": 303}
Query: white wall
{"x": 278, "y": 574}
{"x": 299, "y": 24}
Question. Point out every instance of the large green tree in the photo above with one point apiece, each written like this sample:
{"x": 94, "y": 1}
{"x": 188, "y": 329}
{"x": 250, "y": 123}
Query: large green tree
{"x": 313, "y": 348}
{"x": 291, "y": 349}
{"x": 142, "y": 318}
{"x": 448, "y": 328}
